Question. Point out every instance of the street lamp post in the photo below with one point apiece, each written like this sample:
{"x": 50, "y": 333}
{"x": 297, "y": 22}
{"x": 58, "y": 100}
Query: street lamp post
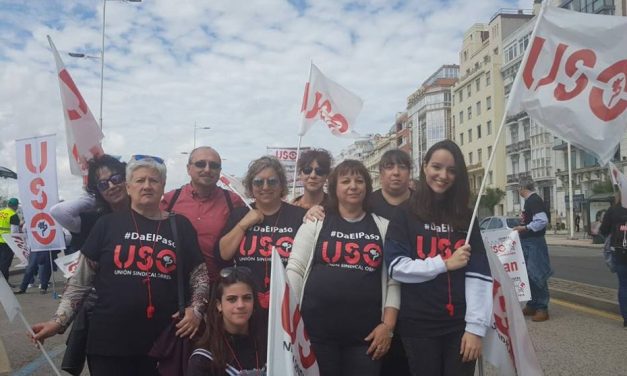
{"x": 102, "y": 49}
{"x": 196, "y": 127}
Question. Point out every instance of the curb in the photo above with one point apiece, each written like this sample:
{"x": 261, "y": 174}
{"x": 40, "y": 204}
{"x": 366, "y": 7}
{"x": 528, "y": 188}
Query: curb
{"x": 597, "y": 302}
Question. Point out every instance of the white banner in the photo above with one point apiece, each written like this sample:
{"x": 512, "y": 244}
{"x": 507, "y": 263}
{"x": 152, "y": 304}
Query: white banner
{"x": 81, "y": 129}
{"x": 572, "y": 84}
{"x": 37, "y": 171}
{"x": 330, "y": 102}
{"x": 287, "y": 157}
{"x": 289, "y": 349}
{"x": 506, "y": 245}
{"x": 233, "y": 184}
{"x": 7, "y": 298}
{"x": 68, "y": 264}
{"x": 506, "y": 344}
{"x": 17, "y": 243}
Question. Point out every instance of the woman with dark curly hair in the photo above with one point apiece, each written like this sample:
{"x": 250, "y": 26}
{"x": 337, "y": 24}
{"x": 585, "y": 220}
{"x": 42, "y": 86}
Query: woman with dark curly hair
{"x": 313, "y": 167}
{"x": 232, "y": 343}
{"x": 250, "y": 235}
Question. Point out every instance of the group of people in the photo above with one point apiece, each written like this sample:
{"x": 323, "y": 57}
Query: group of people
{"x": 386, "y": 281}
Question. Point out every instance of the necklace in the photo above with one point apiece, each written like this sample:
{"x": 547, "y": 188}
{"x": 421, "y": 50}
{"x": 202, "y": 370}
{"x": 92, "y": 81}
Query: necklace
{"x": 237, "y": 360}
{"x": 150, "y": 308}
{"x": 449, "y": 306}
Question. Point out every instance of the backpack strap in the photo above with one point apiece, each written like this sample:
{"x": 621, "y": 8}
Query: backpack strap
{"x": 229, "y": 202}
{"x": 175, "y": 197}
{"x": 179, "y": 266}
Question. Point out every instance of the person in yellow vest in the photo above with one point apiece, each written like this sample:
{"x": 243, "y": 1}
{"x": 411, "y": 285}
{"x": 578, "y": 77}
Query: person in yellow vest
{"x": 9, "y": 223}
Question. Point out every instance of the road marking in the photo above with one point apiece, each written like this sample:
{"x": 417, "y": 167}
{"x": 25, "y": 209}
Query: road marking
{"x": 592, "y": 311}
{"x": 33, "y": 366}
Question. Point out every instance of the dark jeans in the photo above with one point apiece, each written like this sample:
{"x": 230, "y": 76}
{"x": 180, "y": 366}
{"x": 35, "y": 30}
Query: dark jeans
{"x": 395, "y": 361}
{"x": 37, "y": 261}
{"x": 437, "y": 356}
{"x": 621, "y": 273}
{"x": 121, "y": 365}
{"x": 338, "y": 360}
{"x": 6, "y": 258}
{"x": 539, "y": 270}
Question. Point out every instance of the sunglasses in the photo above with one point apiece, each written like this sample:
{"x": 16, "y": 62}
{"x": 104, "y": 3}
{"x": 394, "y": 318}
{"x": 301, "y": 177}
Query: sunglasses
{"x": 115, "y": 179}
{"x": 212, "y": 165}
{"x": 319, "y": 171}
{"x": 140, "y": 157}
{"x": 272, "y": 182}
{"x": 229, "y": 270}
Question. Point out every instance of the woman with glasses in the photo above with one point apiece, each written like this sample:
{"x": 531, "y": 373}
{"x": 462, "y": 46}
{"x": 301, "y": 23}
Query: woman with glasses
{"x": 250, "y": 235}
{"x": 314, "y": 167}
{"x": 131, "y": 258}
{"x": 232, "y": 343}
{"x": 348, "y": 303}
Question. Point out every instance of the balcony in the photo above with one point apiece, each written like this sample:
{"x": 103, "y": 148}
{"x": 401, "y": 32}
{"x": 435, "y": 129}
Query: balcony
{"x": 474, "y": 167}
{"x": 518, "y": 147}
{"x": 515, "y": 178}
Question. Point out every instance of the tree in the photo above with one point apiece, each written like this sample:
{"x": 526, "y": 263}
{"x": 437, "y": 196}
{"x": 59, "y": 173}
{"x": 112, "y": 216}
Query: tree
{"x": 491, "y": 197}
{"x": 603, "y": 187}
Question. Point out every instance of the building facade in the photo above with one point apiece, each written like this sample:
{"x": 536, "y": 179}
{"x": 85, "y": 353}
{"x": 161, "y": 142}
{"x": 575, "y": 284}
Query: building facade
{"x": 429, "y": 112}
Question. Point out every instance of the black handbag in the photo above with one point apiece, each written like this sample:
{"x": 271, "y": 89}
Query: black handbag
{"x": 173, "y": 352}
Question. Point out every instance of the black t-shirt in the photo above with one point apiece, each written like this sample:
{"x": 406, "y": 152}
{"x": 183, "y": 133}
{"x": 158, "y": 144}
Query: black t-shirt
{"x": 255, "y": 249}
{"x": 342, "y": 295}
{"x": 247, "y": 355}
{"x": 379, "y": 206}
{"x": 129, "y": 248}
{"x": 424, "y": 310}
{"x": 615, "y": 223}
{"x": 533, "y": 206}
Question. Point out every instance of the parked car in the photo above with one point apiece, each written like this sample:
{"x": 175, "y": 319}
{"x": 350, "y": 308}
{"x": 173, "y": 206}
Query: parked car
{"x": 498, "y": 223}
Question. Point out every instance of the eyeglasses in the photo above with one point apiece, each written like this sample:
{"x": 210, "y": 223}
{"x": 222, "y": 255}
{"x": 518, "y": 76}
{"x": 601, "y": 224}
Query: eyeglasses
{"x": 319, "y": 171}
{"x": 229, "y": 270}
{"x": 272, "y": 182}
{"x": 140, "y": 157}
{"x": 212, "y": 165}
{"x": 115, "y": 179}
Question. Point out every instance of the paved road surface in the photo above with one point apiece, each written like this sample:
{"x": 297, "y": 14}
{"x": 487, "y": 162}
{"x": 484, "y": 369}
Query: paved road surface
{"x": 581, "y": 265}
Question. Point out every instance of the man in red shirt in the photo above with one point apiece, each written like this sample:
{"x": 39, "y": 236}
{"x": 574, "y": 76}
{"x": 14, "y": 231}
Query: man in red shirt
{"x": 205, "y": 204}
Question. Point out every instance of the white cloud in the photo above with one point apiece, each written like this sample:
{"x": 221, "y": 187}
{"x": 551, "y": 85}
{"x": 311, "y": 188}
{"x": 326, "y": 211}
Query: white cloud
{"x": 237, "y": 67}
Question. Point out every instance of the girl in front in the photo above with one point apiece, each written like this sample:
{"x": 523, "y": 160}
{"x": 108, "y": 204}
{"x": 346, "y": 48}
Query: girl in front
{"x": 446, "y": 296}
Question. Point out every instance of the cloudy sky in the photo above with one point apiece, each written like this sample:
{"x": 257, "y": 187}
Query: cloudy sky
{"x": 238, "y": 67}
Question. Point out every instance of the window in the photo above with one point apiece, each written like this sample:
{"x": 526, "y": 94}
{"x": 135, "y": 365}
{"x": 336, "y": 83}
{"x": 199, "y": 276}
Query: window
{"x": 468, "y": 91}
{"x": 489, "y": 126}
{"x": 469, "y": 112}
{"x": 489, "y": 152}
{"x": 490, "y": 179}
{"x": 461, "y": 95}
{"x": 461, "y": 117}
{"x": 478, "y": 83}
{"x": 461, "y": 138}
{"x": 470, "y": 135}
{"x": 514, "y": 131}
{"x": 479, "y": 131}
{"x": 453, "y": 120}
{"x": 479, "y": 155}
{"x": 470, "y": 158}
{"x": 488, "y": 103}
{"x": 479, "y": 108}
{"x": 487, "y": 79}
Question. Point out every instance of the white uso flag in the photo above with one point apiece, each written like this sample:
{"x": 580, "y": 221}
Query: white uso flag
{"x": 619, "y": 180}
{"x": 81, "y": 129}
{"x": 506, "y": 245}
{"x": 289, "y": 349}
{"x": 7, "y": 298}
{"x": 328, "y": 101}
{"x": 17, "y": 243}
{"x": 506, "y": 344}
{"x": 37, "y": 171}
{"x": 573, "y": 79}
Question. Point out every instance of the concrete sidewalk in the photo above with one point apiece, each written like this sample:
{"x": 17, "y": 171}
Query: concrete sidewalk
{"x": 580, "y": 239}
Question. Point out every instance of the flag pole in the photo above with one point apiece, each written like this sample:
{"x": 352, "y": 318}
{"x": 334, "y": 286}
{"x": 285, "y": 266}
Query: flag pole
{"x": 570, "y": 194}
{"x": 498, "y": 133}
{"x": 39, "y": 344}
{"x": 300, "y": 138}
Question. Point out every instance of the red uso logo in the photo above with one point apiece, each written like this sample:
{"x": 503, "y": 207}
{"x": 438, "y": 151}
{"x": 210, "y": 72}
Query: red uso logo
{"x": 336, "y": 122}
{"x": 41, "y": 224}
{"x": 144, "y": 259}
{"x": 608, "y": 95}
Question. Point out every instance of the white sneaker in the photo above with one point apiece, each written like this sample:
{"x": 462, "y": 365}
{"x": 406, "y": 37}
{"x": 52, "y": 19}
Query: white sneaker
{"x": 30, "y": 285}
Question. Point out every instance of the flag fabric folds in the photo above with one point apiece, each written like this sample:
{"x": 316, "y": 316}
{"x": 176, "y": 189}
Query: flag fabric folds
{"x": 289, "y": 348}
{"x": 506, "y": 344}
{"x": 331, "y": 103}
{"x": 572, "y": 84}
{"x": 81, "y": 129}
{"x": 619, "y": 180}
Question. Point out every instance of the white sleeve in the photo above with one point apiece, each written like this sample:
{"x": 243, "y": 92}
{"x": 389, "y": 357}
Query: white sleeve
{"x": 478, "y": 303}
{"x": 405, "y": 270}
{"x": 67, "y": 213}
